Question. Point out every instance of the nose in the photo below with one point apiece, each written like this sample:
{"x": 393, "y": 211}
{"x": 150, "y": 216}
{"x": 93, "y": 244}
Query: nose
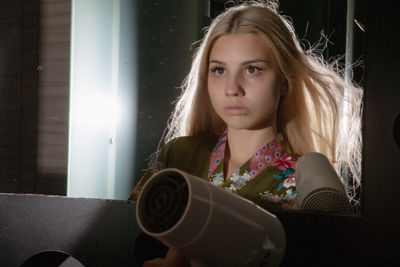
{"x": 234, "y": 87}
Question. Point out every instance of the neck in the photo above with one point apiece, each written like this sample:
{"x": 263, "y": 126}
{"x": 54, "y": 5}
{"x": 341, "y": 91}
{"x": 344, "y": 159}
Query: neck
{"x": 243, "y": 144}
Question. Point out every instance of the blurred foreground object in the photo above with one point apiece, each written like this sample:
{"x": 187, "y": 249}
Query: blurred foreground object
{"x": 210, "y": 225}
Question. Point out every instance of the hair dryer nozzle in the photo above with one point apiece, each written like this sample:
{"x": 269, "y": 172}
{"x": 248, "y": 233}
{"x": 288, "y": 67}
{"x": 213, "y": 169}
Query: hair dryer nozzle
{"x": 165, "y": 204}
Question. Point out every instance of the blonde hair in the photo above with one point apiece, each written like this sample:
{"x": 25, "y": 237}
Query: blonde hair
{"x": 320, "y": 112}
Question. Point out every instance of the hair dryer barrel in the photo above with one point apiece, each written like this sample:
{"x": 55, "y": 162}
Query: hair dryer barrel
{"x": 318, "y": 186}
{"x": 207, "y": 223}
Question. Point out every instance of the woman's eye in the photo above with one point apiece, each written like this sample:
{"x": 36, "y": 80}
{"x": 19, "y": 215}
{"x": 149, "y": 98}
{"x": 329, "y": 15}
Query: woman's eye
{"x": 218, "y": 71}
{"x": 252, "y": 70}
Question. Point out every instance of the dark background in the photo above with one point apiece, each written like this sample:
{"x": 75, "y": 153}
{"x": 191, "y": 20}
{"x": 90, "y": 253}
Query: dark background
{"x": 19, "y": 21}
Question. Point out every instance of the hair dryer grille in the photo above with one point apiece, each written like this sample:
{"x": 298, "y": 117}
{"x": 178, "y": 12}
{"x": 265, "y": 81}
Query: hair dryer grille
{"x": 326, "y": 199}
{"x": 164, "y": 204}
{"x": 318, "y": 186}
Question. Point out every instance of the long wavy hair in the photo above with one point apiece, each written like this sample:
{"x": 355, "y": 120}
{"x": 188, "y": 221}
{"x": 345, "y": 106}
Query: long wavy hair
{"x": 321, "y": 112}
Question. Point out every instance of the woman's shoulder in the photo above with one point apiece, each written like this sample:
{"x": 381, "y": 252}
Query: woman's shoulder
{"x": 206, "y": 141}
{"x": 189, "y": 145}
{"x": 187, "y": 153}
{"x": 188, "y": 150}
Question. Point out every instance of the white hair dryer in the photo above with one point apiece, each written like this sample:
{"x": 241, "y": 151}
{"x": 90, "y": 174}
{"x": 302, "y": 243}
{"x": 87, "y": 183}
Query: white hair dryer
{"x": 318, "y": 186}
{"x": 211, "y": 226}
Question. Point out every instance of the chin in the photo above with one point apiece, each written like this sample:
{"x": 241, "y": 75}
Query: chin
{"x": 248, "y": 122}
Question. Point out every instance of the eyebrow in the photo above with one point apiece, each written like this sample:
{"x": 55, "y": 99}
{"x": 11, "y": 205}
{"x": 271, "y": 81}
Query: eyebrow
{"x": 256, "y": 60}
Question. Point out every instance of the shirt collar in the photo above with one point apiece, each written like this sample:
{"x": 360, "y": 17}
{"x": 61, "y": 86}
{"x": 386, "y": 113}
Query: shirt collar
{"x": 266, "y": 156}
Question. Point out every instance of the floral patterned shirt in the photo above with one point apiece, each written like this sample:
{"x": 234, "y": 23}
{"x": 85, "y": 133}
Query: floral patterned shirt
{"x": 267, "y": 178}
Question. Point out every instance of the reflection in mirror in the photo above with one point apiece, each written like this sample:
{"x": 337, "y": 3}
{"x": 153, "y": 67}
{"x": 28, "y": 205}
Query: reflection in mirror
{"x": 118, "y": 65}
{"x": 323, "y": 126}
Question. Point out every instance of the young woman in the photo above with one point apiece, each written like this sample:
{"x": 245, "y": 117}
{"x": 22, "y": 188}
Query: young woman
{"x": 253, "y": 103}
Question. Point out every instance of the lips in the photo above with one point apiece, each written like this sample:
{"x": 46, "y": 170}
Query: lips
{"x": 236, "y": 110}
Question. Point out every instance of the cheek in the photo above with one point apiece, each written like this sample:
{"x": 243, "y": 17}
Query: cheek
{"x": 210, "y": 85}
{"x": 211, "y": 93}
{"x": 214, "y": 82}
{"x": 213, "y": 87}
{"x": 268, "y": 94}
{"x": 209, "y": 89}
{"x": 214, "y": 100}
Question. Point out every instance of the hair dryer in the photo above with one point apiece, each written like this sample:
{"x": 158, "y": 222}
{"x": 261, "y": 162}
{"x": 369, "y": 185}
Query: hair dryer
{"x": 318, "y": 185}
{"x": 210, "y": 225}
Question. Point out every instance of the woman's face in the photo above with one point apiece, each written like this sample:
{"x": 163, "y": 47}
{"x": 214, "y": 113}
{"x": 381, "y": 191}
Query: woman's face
{"x": 243, "y": 83}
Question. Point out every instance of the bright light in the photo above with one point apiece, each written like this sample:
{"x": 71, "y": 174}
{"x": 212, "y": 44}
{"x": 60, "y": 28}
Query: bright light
{"x": 99, "y": 111}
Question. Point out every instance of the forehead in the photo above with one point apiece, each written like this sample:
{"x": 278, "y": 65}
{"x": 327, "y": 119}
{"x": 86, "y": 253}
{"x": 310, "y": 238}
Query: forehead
{"x": 240, "y": 47}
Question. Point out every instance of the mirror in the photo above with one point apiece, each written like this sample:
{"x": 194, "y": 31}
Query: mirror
{"x": 143, "y": 57}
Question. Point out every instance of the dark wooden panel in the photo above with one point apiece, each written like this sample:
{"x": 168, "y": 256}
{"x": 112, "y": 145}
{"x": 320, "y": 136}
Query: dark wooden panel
{"x": 53, "y": 94}
{"x": 29, "y": 83}
{"x": 18, "y": 94}
{"x": 10, "y": 107}
{"x": 33, "y": 108}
